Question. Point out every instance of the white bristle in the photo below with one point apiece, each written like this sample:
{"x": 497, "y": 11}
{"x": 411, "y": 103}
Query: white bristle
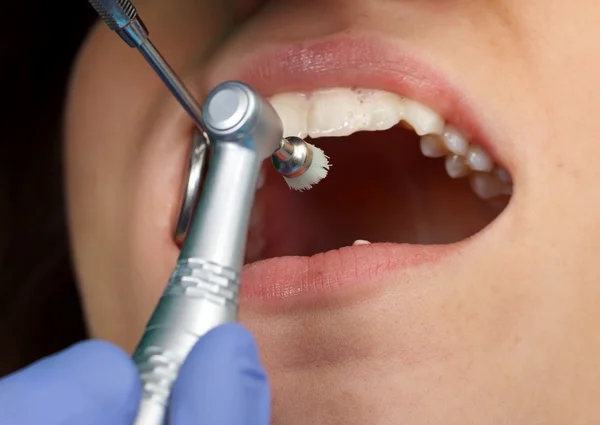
{"x": 316, "y": 172}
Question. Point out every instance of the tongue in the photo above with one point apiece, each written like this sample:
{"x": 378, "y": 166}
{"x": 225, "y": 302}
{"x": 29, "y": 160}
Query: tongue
{"x": 380, "y": 188}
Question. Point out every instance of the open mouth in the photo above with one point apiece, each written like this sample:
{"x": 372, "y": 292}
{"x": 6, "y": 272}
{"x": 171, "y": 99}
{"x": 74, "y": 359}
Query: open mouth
{"x": 407, "y": 183}
{"x": 400, "y": 174}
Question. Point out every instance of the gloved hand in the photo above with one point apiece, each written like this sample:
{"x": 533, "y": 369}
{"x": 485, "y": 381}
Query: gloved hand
{"x": 94, "y": 383}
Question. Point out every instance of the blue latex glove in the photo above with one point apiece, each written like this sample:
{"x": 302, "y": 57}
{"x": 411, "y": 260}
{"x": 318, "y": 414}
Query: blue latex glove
{"x": 94, "y": 383}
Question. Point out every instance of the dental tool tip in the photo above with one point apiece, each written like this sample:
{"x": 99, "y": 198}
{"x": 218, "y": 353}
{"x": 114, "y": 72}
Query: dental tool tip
{"x": 301, "y": 164}
{"x": 122, "y": 17}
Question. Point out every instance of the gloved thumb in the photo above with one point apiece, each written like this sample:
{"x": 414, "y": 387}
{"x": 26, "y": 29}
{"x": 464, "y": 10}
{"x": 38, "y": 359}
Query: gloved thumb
{"x": 91, "y": 383}
{"x": 222, "y": 382}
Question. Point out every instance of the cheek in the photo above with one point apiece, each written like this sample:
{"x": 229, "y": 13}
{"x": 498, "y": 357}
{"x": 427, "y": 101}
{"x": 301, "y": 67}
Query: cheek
{"x": 126, "y": 147}
{"x": 157, "y": 175}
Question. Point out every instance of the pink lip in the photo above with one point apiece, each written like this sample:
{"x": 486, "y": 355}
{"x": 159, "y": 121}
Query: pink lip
{"x": 344, "y": 61}
{"x": 286, "y": 277}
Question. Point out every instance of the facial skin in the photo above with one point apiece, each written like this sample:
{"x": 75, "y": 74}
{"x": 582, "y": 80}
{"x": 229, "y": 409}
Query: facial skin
{"x": 502, "y": 334}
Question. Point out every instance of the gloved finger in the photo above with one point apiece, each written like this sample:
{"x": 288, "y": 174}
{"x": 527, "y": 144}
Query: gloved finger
{"x": 222, "y": 382}
{"x": 91, "y": 383}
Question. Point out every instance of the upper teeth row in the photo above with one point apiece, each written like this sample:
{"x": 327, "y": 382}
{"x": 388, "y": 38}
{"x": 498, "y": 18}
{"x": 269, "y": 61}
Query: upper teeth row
{"x": 338, "y": 112}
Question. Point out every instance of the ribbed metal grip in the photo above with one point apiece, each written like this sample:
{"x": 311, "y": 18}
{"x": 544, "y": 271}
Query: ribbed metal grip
{"x": 116, "y": 13}
{"x": 195, "y": 277}
{"x": 200, "y": 296}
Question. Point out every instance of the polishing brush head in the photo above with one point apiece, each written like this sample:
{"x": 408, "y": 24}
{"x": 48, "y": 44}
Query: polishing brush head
{"x": 301, "y": 164}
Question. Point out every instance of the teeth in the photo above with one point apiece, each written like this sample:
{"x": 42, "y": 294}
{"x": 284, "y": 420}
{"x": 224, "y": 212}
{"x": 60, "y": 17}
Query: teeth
{"x": 479, "y": 160}
{"x": 487, "y": 185}
{"x": 293, "y": 111}
{"x": 361, "y": 242}
{"x": 341, "y": 112}
{"x": 383, "y": 109}
{"x": 456, "y": 166}
{"x": 335, "y": 112}
{"x": 338, "y": 112}
{"x": 422, "y": 119}
{"x": 455, "y": 141}
{"x": 432, "y": 146}
{"x": 503, "y": 175}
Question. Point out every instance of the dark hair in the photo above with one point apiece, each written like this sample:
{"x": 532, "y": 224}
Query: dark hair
{"x": 39, "y": 306}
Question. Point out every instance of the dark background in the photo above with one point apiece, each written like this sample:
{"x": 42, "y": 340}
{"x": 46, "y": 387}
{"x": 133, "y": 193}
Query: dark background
{"x": 39, "y": 312}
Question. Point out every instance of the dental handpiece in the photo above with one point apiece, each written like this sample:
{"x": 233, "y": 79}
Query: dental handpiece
{"x": 202, "y": 292}
{"x": 121, "y": 16}
{"x": 293, "y": 158}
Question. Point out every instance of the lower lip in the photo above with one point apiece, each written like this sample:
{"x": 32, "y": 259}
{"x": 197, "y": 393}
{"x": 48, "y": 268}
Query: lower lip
{"x": 353, "y": 266}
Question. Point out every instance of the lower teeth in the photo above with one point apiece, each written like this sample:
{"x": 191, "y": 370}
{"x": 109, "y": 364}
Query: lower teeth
{"x": 456, "y": 167}
{"x": 489, "y": 186}
{"x": 464, "y": 159}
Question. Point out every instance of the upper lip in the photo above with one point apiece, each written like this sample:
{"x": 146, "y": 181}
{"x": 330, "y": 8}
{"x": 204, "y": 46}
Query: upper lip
{"x": 354, "y": 61}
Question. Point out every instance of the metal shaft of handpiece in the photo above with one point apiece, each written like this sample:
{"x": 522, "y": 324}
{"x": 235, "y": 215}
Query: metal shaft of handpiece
{"x": 292, "y": 158}
{"x": 285, "y": 150}
{"x": 203, "y": 289}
